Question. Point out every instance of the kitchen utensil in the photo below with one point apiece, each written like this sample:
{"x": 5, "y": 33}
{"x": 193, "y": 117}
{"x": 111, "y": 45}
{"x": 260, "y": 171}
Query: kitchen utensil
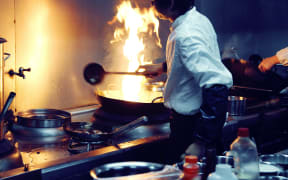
{"x": 236, "y": 105}
{"x": 3, "y": 113}
{"x": 273, "y": 178}
{"x": 43, "y": 118}
{"x": 247, "y": 74}
{"x": 269, "y": 170}
{"x": 94, "y": 73}
{"x": 122, "y": 106}
{"x": 275, "y": 159}
{"x": 120, "y": 169}
{"x": 86, "y": 132}
{"x": 10, "y": 157}
{"x": 136, "y": 170}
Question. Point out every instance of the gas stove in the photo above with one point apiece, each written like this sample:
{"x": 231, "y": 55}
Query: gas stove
{"x": 63, "y": 150}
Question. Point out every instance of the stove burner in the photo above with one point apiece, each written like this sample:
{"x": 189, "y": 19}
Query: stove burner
{"x": 76, "y": 146}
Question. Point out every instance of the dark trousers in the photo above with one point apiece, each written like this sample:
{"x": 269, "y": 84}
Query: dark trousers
{"x": 182, "y": 129}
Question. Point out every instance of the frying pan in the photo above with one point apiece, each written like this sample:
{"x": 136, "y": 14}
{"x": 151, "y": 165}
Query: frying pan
{"x": 86, "y": 132}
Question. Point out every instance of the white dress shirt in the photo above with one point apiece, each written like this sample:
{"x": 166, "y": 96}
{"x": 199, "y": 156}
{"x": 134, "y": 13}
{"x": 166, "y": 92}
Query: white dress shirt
{"x": 283, "y": 56}
{"x": 193, "y": 62}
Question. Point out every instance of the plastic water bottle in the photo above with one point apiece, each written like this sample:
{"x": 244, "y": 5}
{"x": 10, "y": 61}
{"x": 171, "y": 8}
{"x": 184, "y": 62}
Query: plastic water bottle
{"x": 245, "y": 156}
{"x": 223, "y": 172}
{"x": 191, "y": 168}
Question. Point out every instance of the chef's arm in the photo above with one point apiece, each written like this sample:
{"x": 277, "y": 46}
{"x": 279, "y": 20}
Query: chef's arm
{"x": 153, "y": 69}
{"x": 267, "y": 63}
{"x": 281, "y": 57}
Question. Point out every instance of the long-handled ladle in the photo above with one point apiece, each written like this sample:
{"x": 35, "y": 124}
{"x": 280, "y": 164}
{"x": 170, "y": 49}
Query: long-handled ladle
{"x": 94, "y": 73}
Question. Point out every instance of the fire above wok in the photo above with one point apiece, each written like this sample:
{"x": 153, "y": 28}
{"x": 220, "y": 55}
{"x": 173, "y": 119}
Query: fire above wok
{"x": 116, "y": 95}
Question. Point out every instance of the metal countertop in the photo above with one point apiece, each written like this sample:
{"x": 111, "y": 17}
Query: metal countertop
{"x": 49, "y": 158}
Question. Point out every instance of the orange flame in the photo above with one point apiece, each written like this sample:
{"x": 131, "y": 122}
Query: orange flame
{"x": 137, "y": 23}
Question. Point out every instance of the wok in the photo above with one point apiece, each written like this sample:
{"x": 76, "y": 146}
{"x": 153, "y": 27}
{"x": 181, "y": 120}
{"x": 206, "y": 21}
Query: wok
{"x": 113, "y": 100}
{"x": 116, "y": 103}
{"x": 246, "y": 74}
{"x": 84, "y": 131}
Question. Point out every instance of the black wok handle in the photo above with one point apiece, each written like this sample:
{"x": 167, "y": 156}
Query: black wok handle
{"x": 3, "y": 113}
{"x": 127, "y": 127}
{"x": 7, "y": 105}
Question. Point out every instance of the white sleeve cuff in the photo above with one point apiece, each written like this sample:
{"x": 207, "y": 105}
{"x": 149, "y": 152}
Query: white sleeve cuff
{"x": 282, "y": 55}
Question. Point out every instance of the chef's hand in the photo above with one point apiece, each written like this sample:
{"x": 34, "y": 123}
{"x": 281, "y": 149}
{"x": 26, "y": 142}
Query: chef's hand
{"x": 280, "y": 57}
{"x": 197, "y": 149}
{"x": 267, "y": 63}
{"x": 151, "y": 69}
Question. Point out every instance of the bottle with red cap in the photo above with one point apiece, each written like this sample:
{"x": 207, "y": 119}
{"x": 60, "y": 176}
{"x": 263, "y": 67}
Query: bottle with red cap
{"x": 245, "y": 156}
{"x": 191, "y": 168}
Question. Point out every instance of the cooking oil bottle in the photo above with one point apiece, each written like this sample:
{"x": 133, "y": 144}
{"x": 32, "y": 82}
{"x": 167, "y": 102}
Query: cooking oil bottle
{"x": 245, "y": 156}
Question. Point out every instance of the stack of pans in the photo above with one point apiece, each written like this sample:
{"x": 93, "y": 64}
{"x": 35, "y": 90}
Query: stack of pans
{"x": 41, "y": 126}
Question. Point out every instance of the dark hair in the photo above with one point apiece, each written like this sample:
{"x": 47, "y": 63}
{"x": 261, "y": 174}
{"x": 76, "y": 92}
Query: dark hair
{"x": 182, "y": 6}
{"x": 162, "y": 5}
{"x": 178, "y": 6}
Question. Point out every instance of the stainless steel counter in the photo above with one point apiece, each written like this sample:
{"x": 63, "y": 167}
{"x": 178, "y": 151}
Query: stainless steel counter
{"x": 52, "y": 161}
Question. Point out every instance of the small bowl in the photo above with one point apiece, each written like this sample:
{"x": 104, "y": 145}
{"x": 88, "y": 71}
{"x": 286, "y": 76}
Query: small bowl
{"x": 275, "y": 159}
{"x": 269, "y": 170}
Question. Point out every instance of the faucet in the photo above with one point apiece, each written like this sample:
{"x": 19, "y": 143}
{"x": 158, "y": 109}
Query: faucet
{"x": 20, "y": 72}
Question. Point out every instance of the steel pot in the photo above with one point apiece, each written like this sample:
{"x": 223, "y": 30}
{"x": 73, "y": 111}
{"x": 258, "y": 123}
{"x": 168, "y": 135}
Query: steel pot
{"x": 236, "y": 105}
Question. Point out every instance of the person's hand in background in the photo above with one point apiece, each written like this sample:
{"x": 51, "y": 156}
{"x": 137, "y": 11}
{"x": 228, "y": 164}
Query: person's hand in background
{"x": 280, "y": 57}
{"x": 267, "y": 63}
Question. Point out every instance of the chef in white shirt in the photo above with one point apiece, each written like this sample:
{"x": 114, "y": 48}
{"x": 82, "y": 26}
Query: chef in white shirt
{"x": 197, "y": 85}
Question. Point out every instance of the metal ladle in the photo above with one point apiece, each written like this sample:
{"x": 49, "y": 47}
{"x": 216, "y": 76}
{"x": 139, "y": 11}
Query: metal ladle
{"x": 94, "y": 73}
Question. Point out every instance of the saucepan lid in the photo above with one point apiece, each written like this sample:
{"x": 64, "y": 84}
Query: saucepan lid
{"x": 43, "y": 118}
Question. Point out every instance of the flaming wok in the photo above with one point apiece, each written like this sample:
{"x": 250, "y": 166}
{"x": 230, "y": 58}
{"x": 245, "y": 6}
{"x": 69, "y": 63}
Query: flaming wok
{"x": 151, "y": 102}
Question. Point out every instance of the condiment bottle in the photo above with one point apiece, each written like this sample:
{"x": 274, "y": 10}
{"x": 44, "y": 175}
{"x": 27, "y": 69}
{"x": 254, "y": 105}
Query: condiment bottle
{"x": 245, "y": 156}
{"x": 191, "y": 168}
